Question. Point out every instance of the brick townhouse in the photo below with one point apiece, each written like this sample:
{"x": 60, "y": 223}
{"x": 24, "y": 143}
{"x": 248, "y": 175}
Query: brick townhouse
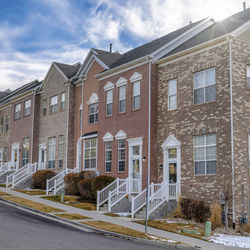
{"x": 18, "y": 127}
{"x": 204, "y": 114}
{"x": 56, "y": 134}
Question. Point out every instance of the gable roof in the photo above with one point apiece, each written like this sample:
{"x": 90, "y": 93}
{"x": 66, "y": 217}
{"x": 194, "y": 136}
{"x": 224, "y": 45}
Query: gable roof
{"x": 150, "y": 47}
{"x": 68, "y": 70}
{"x": 3, "y": 94}
{"x": 218, "y": 29}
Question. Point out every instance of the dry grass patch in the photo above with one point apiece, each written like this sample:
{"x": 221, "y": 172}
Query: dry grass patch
{"x": 2, "y": 185}
{"x": 72, "y": 201}
{"x": 73, "y": 216}
{"x": 112, "y": 215}
{"x": 4, "y": 194}
{"x": 177, "y": 227}
{"x": 33, "y": 205}
{"x": 31, "y": 192}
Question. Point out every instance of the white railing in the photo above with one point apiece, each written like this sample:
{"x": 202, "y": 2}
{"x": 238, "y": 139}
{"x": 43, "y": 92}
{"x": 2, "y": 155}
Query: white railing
{"x": 6, "y": 167}
{"x": 56, "y": 183}
{"x": 21, "y": 175}
{"x": 103, "y": 195}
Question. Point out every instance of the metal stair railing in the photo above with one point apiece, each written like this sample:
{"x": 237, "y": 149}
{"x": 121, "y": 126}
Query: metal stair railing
{"x": 10, "y": 178}
{"x": 139, "y": 201}
{"x": 26, "y": 172}
{"x": 55, "y": 183}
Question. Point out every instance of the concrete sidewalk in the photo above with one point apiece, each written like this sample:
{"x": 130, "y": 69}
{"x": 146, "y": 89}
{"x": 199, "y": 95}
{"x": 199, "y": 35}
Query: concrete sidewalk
{"x": 122, "y": 221}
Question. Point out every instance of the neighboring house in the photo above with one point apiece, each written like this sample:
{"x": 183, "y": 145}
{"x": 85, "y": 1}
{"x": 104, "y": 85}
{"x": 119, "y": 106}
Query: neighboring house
{"x": 87, "y": 107}
{"x": 22, "y": 116}
{"x": 56, "y": 133}
{"x": 127, "y": 142}
{"x": 204, "y": 115}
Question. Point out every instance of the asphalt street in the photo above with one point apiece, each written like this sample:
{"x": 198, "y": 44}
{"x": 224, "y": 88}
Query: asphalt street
{"x": 22, "y": 230}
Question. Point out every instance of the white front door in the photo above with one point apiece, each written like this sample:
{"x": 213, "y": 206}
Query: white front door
{"x": 1, "y": 156}
{"x": 42, "y": 157}
{"x": 15, "y": 156}
{"x": 135, "y": 165}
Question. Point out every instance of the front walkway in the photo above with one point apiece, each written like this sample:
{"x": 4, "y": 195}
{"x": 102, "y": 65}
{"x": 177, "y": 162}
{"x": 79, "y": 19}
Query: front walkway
{"x": 122, "y": 221}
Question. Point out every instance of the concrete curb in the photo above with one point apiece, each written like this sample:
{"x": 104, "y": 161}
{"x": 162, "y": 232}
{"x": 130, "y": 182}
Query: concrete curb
{"x": 89, "y": 229}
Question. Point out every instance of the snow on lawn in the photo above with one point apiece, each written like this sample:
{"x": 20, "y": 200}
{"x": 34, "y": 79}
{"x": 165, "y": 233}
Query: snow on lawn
{"x": 231, "y": 240}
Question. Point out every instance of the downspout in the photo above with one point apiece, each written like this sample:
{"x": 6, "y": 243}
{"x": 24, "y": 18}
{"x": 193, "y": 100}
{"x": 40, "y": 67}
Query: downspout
{"x": 232, "y": 126}
{"x": 67, "y": 125}
{"x": 149, "y": 139}
{"x": 81, "y": 127}
{"x": 32, "y": 132}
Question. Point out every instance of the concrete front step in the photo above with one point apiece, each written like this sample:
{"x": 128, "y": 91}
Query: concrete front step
{"x": 3, "y": 176}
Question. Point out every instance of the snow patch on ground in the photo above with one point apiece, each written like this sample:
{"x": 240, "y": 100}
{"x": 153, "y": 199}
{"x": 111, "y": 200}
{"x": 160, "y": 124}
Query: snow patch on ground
{"x": 162, "y": 239}
{"x": 231, "y": 240}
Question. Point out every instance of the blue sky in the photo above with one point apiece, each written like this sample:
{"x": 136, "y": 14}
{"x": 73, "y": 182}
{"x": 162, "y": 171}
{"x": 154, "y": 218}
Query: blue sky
{"x": 34, "y": 33}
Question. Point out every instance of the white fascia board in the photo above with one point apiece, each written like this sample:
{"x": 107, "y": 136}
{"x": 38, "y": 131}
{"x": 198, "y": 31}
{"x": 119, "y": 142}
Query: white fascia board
{"x": 241, "y": 29}
{"x": 182, "y": 38}
{"x": 81, "y": 68}
{"x": 58, "y": 69}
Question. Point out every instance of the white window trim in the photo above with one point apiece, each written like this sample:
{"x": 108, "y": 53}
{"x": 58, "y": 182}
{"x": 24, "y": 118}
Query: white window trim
{"x": 172, "y": 95}
{"x": 106, "y": 93}
{"x": 108, "y": 137}
{"x": 121, "y": 82}
{"x": 90, "y": 169}
{"x": 93, "y": 99}
{"x": 135, "y": 77}
{"x": 118, "y": 155}
{"x": 120, "y": 135}
{"x": 105, "y": 156}
{"x": 109, "y": 85}
{"x": 119, "y": 99}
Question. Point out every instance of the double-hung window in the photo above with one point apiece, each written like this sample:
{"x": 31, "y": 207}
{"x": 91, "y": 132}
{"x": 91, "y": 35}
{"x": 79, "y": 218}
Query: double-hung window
{"x": 44, "y": 107}
{"x": 108, "y": 156}
{"x": 136, "y": 95}
{"x": 93, "y": 113}
{"x": 109, "y": 102}
{"x": 121, "y": 155}
{"x": 60, "y": 151}
{"x": 62, "y": 101}
{"x": 7, "y": 123}
{"x": 17, "y": 114}
{"x": 27, "y": 108}
{"x": 204, "y": 86}
{"x": 248, "y": 77}
{"x": 249, "y": 148}
{"x": 90, "y": 146}
{"x": 205, "y": 154}
{"x": 122, "y": 99}
{"x": 25, "y": 151}
{"x": 52, "y": 152}
{"x": 1, "y": 124}
{"x": 172, "y": 94}
{"x": 53, "y": 104}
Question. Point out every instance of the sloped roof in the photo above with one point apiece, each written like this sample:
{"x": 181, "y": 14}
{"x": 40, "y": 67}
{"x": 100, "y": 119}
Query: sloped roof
{"x": 152, "y": 46}
{"x": 3, "y": 94}
{"x": 68, "y": 70}
{"x": 216, "y": 30}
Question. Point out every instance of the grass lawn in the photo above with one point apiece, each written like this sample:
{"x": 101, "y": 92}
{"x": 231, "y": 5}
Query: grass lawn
{"x": 72, "y": 201}
{"x": 177, "y": 227}
{"x": 112, "y": 215}
{"x": 73, "y": 216}
{"x": 30, "y": 192}
{"x": 2, "y": 193}
{"x": 2, "y": 185}
{"x": 34, "y": 205}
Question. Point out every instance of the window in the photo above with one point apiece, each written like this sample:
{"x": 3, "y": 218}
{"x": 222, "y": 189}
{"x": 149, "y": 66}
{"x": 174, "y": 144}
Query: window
{"x": 25, "y": 151}
{"x": 27, "y": 108}
{"x": 108, "y": 156}
{"x": 1, "y": 125}
{"x": 52, "y": 152}
{"x": 93, "y": 113}
{"x": 7, "y": 123}
{"x": 204, "y": 86}
{"x": 172, "y": 94}
{"x": 205, "y": 154}
{"x": 17, "y": 114}
{"x": 121, "y": 155}
{"x": 248, "y": 77}
{"x": 122, "y": 99}
{"x": 109, "y": 102}
{"x": 249, "y": 147}
{"x": 60, "y": 151}
{"x": 62, "y": 101}
{"x": 90, "y": 154}
{"x": 53, "y": 104}
{"x": 44, "y": 107}
{"x": 5, "y": 154}
{"x": 136, "y": 95}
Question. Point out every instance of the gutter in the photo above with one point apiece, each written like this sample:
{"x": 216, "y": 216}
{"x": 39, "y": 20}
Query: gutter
{"x": 229, "y": 39}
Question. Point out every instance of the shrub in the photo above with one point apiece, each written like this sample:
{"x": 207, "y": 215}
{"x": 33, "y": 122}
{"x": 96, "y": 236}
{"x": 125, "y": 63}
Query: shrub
{"x": 40, "y": 178}
{"x": 193, "y": 209}
{"x": 101, "y": 182}
{"x": 245, "y": 228}
{"x": 71, "y": 181}
{"x": 85, "y": 188}
{"x": 177, "y": 212}
{"x": 216, "y": 215}
{"x": 87, "y": 175}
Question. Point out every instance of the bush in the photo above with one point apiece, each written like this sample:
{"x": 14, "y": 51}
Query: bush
{"x": 85, "y": 188}
{"x": 87, "y": 175}
{"x": 71, "y": 181}
{"x": 193, "y": 209}
{"x": 245, "y": 228}
{"x": 101, "y": 182}
{"x": 177, "y": 212}
{"x": 216, "y": 215}
{"x": 40, "y": 178}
